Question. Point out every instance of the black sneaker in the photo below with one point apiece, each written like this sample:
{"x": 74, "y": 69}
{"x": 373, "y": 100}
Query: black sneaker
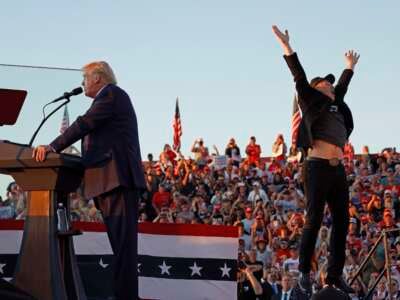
{"x": 305, "y": 283}
{"x": 341, "y": 284}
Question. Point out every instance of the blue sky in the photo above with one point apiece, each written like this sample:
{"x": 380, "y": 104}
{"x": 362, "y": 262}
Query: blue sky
{"x": 219, "y": 57}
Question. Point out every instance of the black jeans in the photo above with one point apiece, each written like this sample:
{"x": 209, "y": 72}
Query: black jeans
{"x": 119, "y": 209}
{"x": 325, "y": 183}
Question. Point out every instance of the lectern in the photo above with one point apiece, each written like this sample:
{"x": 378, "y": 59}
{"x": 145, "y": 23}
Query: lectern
{"x": 46, "y": 267}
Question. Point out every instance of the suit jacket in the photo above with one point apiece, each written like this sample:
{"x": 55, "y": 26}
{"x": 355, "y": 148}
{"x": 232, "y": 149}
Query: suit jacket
{"x": 296, "y": 294}
{"x": 268, "y": 290}
{"x": 312, "y": 102}
{"x": 110, "y": 145}
{"x": 269, "y": 287}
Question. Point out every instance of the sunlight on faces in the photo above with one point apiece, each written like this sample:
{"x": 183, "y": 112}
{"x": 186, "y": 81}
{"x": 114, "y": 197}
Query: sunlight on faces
{"x": 90, "y": 83}
{"x": 95, "y": 76}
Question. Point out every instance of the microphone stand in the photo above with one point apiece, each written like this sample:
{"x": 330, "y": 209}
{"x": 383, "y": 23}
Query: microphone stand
{"x": 45, "y": 119}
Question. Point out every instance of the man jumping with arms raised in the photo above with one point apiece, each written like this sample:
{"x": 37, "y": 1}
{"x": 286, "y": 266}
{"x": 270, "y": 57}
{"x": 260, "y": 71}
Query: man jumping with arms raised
{"x": 325, "y": 128}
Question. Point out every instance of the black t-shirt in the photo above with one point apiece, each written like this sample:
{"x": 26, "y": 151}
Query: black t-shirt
{"x": 330, "y": 127}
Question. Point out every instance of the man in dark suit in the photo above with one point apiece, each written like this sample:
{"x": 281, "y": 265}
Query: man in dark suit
{"x": 113, "y": 167}
{"x": 288, "y": 292}
{"x": 269, "y": 282}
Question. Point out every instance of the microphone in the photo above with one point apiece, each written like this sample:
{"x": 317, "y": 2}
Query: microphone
{"x": 74, "y": 92}
{"x": 66, "y": 96}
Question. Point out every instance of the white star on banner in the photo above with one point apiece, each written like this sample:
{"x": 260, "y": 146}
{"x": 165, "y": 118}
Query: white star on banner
{"x": 225, "y": 271}
{"x": 1, "y": 268}
{"x": 138, "y": 267}
{"x": 102, "y": 264}
{"x": 164, "y": 268}
{"x": 195, "y": 269}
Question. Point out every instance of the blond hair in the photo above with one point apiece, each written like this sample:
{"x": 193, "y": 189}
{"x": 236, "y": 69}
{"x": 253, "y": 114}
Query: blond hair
{"x": 103, "y": 69}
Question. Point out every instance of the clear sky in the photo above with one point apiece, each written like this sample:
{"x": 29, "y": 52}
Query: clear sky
{"x": 219, "y": 57}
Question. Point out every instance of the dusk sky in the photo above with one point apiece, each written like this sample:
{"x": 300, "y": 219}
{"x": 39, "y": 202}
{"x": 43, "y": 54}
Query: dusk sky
{"x": 219, "y": 57}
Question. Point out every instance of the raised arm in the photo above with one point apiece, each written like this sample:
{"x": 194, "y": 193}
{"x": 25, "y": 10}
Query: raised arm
{"x": 302, "y": 86}
{"x": 351, "y": 59}
{"x": 283, "y": 39}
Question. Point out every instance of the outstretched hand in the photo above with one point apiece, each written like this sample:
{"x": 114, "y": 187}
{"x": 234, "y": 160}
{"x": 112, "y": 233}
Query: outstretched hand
{"x": 283, "y": 39}
{"x": 351, "y": 58}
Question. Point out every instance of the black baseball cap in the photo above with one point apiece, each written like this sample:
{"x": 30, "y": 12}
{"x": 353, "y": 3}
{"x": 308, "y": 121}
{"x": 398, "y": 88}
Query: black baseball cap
{"x": 330, "y": 78}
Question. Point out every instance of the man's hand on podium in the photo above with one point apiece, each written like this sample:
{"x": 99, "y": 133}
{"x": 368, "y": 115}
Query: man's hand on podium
{"x": 40, "y": 152}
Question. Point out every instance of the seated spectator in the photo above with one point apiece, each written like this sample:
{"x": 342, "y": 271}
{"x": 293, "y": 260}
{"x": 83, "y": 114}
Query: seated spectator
{"x": 279, "y": 149}
{"x": 253, "y": 152}
{"x": 232, "y": 151}
{"x": 294, "y": 155}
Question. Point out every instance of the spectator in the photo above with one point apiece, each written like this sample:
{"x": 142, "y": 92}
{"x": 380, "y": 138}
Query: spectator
{"x": 294, "y": 154}
{"x": 257, "y": 194}
{"x": 253, "y": 152}
{"x": 185, "y": 192}
{"x": 232, "y": 151}
{"x": 348, "y": 151}
{"x": 167, "y": 157}
{"x": 161, "y": 198}
{"x": 291, "y": 264}
{"x": 264, "y": 252}
{"x": 287, "y": 292}
{"x": 270, "y": 282}
{"x": 200, "y": 152}
{"x": 248, "y": 221}
{"x": 375, "y": 208}
{"x": 279, "y": 149}
{"x": 249, "y": 287}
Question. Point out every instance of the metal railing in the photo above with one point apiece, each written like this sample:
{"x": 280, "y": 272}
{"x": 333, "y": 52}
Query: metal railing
{"x": 386, "y": 270}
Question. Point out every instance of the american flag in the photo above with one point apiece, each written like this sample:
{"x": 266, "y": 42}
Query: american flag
{"x": 65, "y": 120}
{"x": 177, "y": 127}
{"x": 175, "y": 261}
{"x": 296, "y": 119}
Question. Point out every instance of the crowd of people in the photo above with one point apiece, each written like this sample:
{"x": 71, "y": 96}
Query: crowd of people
{"x": 264, "y": 198}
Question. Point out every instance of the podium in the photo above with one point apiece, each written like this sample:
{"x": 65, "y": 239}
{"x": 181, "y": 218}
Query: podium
{"x": 46, "y": 266}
